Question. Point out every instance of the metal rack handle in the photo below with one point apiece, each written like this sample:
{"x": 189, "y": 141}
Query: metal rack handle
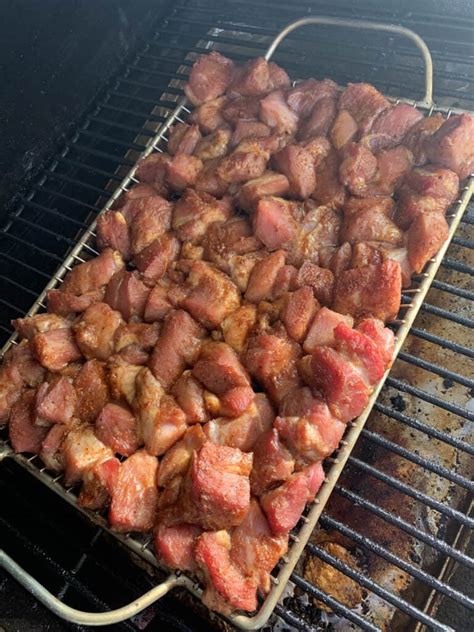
{"x": 372, "y": 26}
{"x": 78, "y": 616}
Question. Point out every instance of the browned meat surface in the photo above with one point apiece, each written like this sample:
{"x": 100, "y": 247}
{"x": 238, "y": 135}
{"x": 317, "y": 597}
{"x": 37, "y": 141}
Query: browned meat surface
{"x": 127, "y": 294}
{"x": 25, "y": 435}
{"x": 209, "y": 78}
{"x": 319, "y": 122}
{"x": 396, "y": 122}
{"x": 452, "y": 146}
{"x": 329, "y": 190}
{"x": 275, "y": 113}
{"x": 153, "y": 170}
{"x": 298, "y": 311}
{"x": 55, "y": 349}
{"x": 426, "y": 235}
{"x": 263, "y": 277}
{"x": 417, "y": 138}
{"x": 66, "y": 303}
{"x": 248, "y": 128}
{"x": 116, "y": 427}
{"x": 344, "y": 129}
{"x": 183, "y": 139}
{"x": 92, "y": 274}
{"x": 113, "y": 232}
{"x": 297, "y": 164}
{"x": 364, "y": 103}
{"x": 303, "y": 97}
{"x": 195, "y": 212}
{"x": 209, "y": 115}
{"x": 274, "y": 222}
{"x": 213, "y": 145}
{"x": 272, "y": 462}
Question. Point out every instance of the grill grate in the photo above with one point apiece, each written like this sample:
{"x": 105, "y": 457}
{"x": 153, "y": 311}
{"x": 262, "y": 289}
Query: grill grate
{"x": 71, "y": 192}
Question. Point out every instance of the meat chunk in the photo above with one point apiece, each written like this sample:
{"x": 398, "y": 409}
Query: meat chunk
{"x": 213, "y": 145}
{"x": 151, "y": 218}
{"x": 243, "y": 431}
{"x": 95, "y": 331}
{"x": 116, "y": 427}
{"x": 99, "y": 481}
{"x": 127, "y": 294}
{"x": 284, "y": 505}
{"x": 138, "y": 335}
{"x": 272, "y": 462}
{"x": 373, "y": 290}
{"x": 152, "y": 170}
{"x": 263, "y": 276}
{"x": 190, "y": 396}
{"x": 39, "y": 323}
{"x": 297, "y": 164}
{"x": 452, "y": 146}
{"x": 195, "y": 212}
{"x": 182, "y": 172}
{"x": 343, "y": 130}
{"x": 241, "y": 166}
{"x": 361, "y": 351}
{"x": 270, "y": 184}
{"x": 248, "y": 128}
{"x": 112, "y": 231}
{"x": 177, "y": 346}
{"x": 417, "y": 138}
{"x": 51, "y": 452}
{"x": 319, "y": 122}
{"x": 176, "y": 460}
{"x": 364, "y": 103}
{"x": 175, "y": 546}
{"x": 392, "y": 164}
{"x": 183, "y": 139}
{"x": 209, "y": 78}
{"x": 91, "y": 390}
{"x": 11, "y": 386}
{"x": 81, "y": 449}
{"x": 395, "y": 122}
{"x": 369, "y": 219}
{"x": 25, "y": 435}
{"x": 357, "y": 169}
{"x": 238, "y": 325}
{"x": 274, "y": 222}
{"x": 209, "y": 182}
{"x": 252, "y": 79}
{"x": 56, "y": 401}
{"x": 66, "y": 303}
{"x": 55, "y": 349}
{"x": 426, "y": 235}
{"x": 329, "y": 191}
{"x": 275, "y": 113}
{"x": 158, "y": 304}
{"x": 319, "y": 229}
{"x": 209, "y": 115}
{"x": 122, "y": 377}
{"x": 153, "y": 261}
{"x": 321, "y": 332}
{"x": 211, "y": 295}
{"x": 320, "y": 280}
{"x": 92, "y": 274}
{"x": 135, "y": 495}
{"x": 225, "y": 239}
{"x": 303, "y": 97}
{"x": 22, "y": 367}
{"x": 298, "y": 312}
{"x": 219, "y": 368}
{"x": 241, "y": 108}
{"x": 383, "y": 337}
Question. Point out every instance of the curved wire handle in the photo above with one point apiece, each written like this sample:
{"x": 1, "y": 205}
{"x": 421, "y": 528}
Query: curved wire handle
{"x": 79, "y": 616}
{"x": 372, "y": 26}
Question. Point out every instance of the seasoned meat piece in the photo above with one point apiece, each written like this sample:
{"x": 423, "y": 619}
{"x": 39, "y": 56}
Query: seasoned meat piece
{"x": 357, "y": 168}
{"x": 343, "y": 130}
{"x": 361, "y": 351}
{"x": 272, "y": 462}
{"x": 66, "y": 303}
{"x": 364, "y": 254}
{"x": 209, "y": 182}
{"x": 418, "y": 137}
{"x": 329, "y": 191}
{"x": 213, "y": 145}
{"x": 93, "y": 274}
{"x": 219, "y": 368}
{"x": 241, "y": 266}
{"x": 56, "y": 402}
{"x": 319, "y": 147}
{"x": 127, "y": 294}
{"x": 152, "y": 170}
{"x": 319, "y": 122}
{"x": 11, "y": 385}
{"x": 183, "y": 139}
{"x": 340, "y": 258}
{"x": 254, "y": 549}
{"x": 194, "y": 212}
{"x": 368, "y": 219}
{"x": 263, "y": 276}
{"x": 226, "y": 586}
{"x": 209, "y": 115}
{"x": 23, "y": 368}
{"x": 224, "y": 239}
{"x": 274, "y": 112}
{"x": 174, "y": 546}
{"x": 241, "y": 166}
{"x": 140, "y": 335}
{"x": 251, "y": 79}
{"x": 216, "y": 493}
{"x": 307, "y": 427}
{"x": 452, "y": 146}
{"x": 158, "y": 304}
{"x": 321, "y": 331}
{"x": 270, "y": 184}
{"x": 274, "y": 222}
{"x": 305, "y": 94}
{"x": 189, "y": 394}
{"x": 392, "y": 164}
{"x": 51, "y": 453}
{"x": 284, "y": 505}
{"x": 319, "y": 229}
{"x": 248, "y": 128}
{"x": 426, "y": 235}
{"x": 434, "y": 182}
{"x": 153, "y": 261}
{"x": 152, "y": 218}
{"x": 383, "y": 337}
{"x": 297, "y": 164}
{"x": 39, "y": 323}
{"x": 55, "y": 349}
{"x": 320, "y": 280}
{"x": 278, "y": 76}
{"x": 286, "y": 281}
{"x": 177, "y": 346}
{"x": 241, "y": 108}
{"x": 95, "y": 331}
{"x": 211, "y": 295}
{"x": 116, "y": 427}
{"x": 176, "y": 460}
{"x": 81, "y": 449}
{"x": 374, "y": 290}
{"x": 243, "y": 431}
{"x": 298, "y": 311}
{"x": 272, "y": 361}
{"x": 135, "y": 495}
{"x": 99, "y": 481}
{"x": 182, "y": 172}
{"x": 238, "y": 325}
{"x": 91, "y": 390}
{"x": 25, "y": 435}
{"x": 122, "y": 377}
{"x": 209, "y": 78}
{"x": 395, "y": 122}
{"x": 364, "y": 103}
{"x": 112, "y": 231}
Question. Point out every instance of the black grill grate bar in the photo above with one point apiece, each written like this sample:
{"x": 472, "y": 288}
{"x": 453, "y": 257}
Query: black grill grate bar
{"x": 425, "y": 428}
{"x": 21, "y": 287}
{"x": 458, "y": 266}
{"x": 113, "y": 141}
{"x": 442, "y": 342}
{"x": 51, "y": 174}
{"x": 50, "y": 211}
{"x": 457, "y": 291}
{"x": 143, "y": 115}
{"x": 374, "y": 547}
{"x": 398, "y": 522}
{"x": 64, "y": 196}
{"x": 16, "y": 261}
{"x": 88, "y": 167}
{"x": 150, "y": 86}
{"x": 444, "y": 313}
{"x": 180, "y": 74}
{"x": 129, "y": 128}
{"x": 100, "y": 154}
{"x": 11, "y": 306}
{"x": 20, "y": 219}
{"x": 413, "y": 492}
{"x": 427, "y": 397}
{"x": 374, "y": 587}
{"x": 434, "y": 368}
{"x": 29, "y": 244}
{"x": 464, "y": 243}
{"x": 440, "y": 470}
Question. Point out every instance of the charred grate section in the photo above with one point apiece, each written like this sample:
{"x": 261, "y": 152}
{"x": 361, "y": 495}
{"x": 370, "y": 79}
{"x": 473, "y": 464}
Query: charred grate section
{"x": 429, "y": 394}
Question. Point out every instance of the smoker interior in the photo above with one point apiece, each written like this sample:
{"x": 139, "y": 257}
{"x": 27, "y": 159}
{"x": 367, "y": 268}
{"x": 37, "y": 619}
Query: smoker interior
{"x": 400, "y": 504}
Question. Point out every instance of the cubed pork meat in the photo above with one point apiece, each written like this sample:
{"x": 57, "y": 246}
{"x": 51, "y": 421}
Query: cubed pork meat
{"x": 39, "y": 323}
{"x": 92, "y": 274}
{"x": 252, "y": 78}
{"x": 112, "y": 231}
{"x": 369, "y": 219}
{"x": 51, "y": 447}
{"x": 298, "y": 311}
{"x": 297, "y": 164}
{"x": 452, "y": 146}
{"x": 417, "y": 138}
{"x": 121, "y": 379}
{"x": 209, "y": 182}
{"x": 358, "y": 168}
{"x": 320, "y": 120}
{"x": 395, "y": 122}
{"x": 224, "y": 239}
{"x": 270, "y": 184}
{"x": 56, "y": 401}
{"x": 248, "y": 128}
{"x": 320, "y": 280}
{"x": 195, "y": 212}
{"x": 304, "y": 95}
{"x": 274, "y": 222}
{"x": 116, "y": 427}
{"x": 66, "y": 303}
{"x": 81, "y": 449}
{"x": 392, "y": 165}
{"x": 176, "y": 460}
{"x": 152, "y": 170}
{"x": 139, "y": 335}
{"x": 364, "y": 103}
{"x": 272, "y": 462}
{"x": 174, "y": 546}
{"x": 361, "y": 351}
{"x": 182, "y": 172}
{"x": 22, "y": 365}
{"x": 383, "y": 337}
{"x": 98, "y": 484}
{"x": 329, "y": 190}
{"x": 373, "y": 290}
{"x": 183, "y": 138}
{"x": 55, "y": 349}
{"x": 426, "y": 235}
{"x": 95, "y": 331}
{"x": 213, "y": 145}
{"x": 275, "y": 113}
{"x": 241, "y": 166}
{"x": 151, "y": 219}
{"x": 158, "y": 304}
{"x": 11, "y": 386}
{"x": 241, "y": 108}
{"x": 189, "y": 394}
{"x": 153, "y": 261}
{"x": 209, "y": 115}
{"x": 237, "y": 327}
{"x": 127, "y": 294}
{"x": 209, "y": 78}
{"x": 321, "y": 331}
{"x": 219, "y": 368}
{"x": 135, "y": 494}
{"x": 343, "y": 130}
{"x": 25, "y": 435}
